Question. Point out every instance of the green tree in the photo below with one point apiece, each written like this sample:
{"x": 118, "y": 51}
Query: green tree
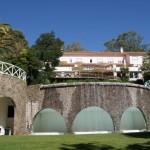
{"x": 48, "y": 50}
{"x": 4, "y": 28}
{"x": 146, "y": 66}
{"x": 6, "y": 40}
{"x": 74, "y": 47}
{"x": 146, "y": 62}
{"x": 124, "y": 74}
{"x": 27, "y": 60}
{"x": 20, "y": 42}
{"x": 130, "y": 41}
{"x": 11, "y": 42}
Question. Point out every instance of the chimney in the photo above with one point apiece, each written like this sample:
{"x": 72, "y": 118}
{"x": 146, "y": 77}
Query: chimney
{"x": 121, "y": 49}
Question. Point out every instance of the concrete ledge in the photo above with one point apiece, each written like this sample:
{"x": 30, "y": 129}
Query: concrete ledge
{"x": 131, "y": 131}
{"x": 93, "y": 132}
{"x": 59, "y": 85}
{"x": 47, "y": 133}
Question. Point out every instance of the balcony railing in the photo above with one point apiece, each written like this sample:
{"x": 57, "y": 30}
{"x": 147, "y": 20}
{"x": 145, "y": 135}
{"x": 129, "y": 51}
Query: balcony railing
{"x": 9, "y": 69}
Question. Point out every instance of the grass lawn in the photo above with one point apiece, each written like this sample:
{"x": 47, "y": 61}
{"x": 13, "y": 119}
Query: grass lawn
{"x": 115, "y": 141}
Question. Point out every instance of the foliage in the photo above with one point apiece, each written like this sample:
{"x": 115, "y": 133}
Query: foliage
{"x": 146, "y": 62}
{"x": 4, "y": 28}
{"x": 27, "y": 60}
{"x": 14, "y": 49}
{"x": 47, "y": 50}
{"x": 39, "y": 61}
{"x": 11, "y": 42}
{"x": 6, "y": 40}
{"x": 74, "y": 47}
{"x": 146, "y": 76}
{"x": 20, "y": 41}
{"x": 124, "y": 74}
{"x": 146, "y": 66}
{"x": 130, "y": 41}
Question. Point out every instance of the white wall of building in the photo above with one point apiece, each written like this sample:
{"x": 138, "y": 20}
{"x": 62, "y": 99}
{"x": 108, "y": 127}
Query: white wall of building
{"x": 137, "y": 60}
{"x": 92, "y": 59}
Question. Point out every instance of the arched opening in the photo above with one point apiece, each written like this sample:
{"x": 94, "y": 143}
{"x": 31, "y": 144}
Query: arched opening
{"x": 49, "y": 121}
{"x": 6, "y": 116}
{"x": 133, "y": 120}
{"x": 92, "y": 120}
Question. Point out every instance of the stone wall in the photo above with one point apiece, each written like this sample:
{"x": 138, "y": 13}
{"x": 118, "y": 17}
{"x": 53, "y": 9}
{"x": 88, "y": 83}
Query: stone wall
{"x": 15, "y": 89}
{"x": 70, "y": 99}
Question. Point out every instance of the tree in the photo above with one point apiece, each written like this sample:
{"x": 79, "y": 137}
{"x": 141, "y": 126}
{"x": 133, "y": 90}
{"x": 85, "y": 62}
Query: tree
{"x": 146, "y": 62}
{"x": 27, "y": 60}
{"x": 5, "y": 39}
{"x": 4, "y": 28}
{"x": 11, "y": 42}
{"x": 130, "y": 41}
{"x": 74, "y": 47}
{"x": 124, "y": 74}
{"x": 20, "y": 41}
{"x": 146, "y": 66}
{"x": 48, "y": 50}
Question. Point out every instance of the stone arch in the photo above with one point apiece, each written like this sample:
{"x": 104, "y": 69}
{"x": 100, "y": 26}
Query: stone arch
{"x": 92, "y": 120}
{"x": 49, "y": 120}
{"x": 133, "y": 119}
{"x": 16, "y": 90}
{"x": 7, "y": 113}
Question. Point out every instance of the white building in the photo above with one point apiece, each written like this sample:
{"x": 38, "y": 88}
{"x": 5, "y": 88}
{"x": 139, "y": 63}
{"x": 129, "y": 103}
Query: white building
{"x": 74, "y": 63}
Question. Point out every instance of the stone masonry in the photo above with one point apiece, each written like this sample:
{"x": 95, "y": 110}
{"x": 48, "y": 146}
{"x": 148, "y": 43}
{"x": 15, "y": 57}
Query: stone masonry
{"x": 70, "y": 99}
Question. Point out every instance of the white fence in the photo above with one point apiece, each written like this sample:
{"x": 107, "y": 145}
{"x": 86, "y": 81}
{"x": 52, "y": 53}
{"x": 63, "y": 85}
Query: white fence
{"x": 9, "y": 69}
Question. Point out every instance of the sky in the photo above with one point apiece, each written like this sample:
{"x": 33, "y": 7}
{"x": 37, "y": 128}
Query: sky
{"x": 89, "y": 22}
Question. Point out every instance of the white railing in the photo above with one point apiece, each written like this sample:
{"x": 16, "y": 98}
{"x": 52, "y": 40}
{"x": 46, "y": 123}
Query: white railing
{"x": 9, "y": 69}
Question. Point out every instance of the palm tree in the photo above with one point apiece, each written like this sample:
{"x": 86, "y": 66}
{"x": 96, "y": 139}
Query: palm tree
{"x": 6, "y": 40}
{"x": 4, "y": 28}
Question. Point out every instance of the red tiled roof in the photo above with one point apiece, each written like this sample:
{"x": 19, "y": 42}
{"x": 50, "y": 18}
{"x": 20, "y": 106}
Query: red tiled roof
{"x": 92, "y": 53}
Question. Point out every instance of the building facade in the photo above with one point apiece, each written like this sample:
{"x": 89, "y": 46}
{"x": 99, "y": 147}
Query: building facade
{"x": 94, "y": 64}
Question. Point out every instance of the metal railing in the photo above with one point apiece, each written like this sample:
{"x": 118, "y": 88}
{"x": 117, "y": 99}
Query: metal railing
{"x": 9, "y": 69}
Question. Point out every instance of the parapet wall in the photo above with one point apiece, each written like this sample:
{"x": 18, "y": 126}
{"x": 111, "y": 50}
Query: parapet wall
{"x": 70, "y": 99}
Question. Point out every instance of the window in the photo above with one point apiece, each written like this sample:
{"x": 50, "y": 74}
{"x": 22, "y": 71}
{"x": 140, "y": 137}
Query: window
{"x": 10, "y": 111}
{"x": 110, "y": 60}
{"x": 120, "y": 61}
{"x": 70, "y": 60}
{"x": 133, "y": 75}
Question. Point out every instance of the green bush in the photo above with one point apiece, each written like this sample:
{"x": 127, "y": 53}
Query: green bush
{"x": 146, "y": 76}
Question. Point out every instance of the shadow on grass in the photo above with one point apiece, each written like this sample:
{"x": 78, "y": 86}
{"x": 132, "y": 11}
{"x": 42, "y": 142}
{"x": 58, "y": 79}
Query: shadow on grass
{"x": 92, "y": 146}
{"x": 138, "y": 135}
{"x": 86, "y": 146}
{"x": 144, "y": 146}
